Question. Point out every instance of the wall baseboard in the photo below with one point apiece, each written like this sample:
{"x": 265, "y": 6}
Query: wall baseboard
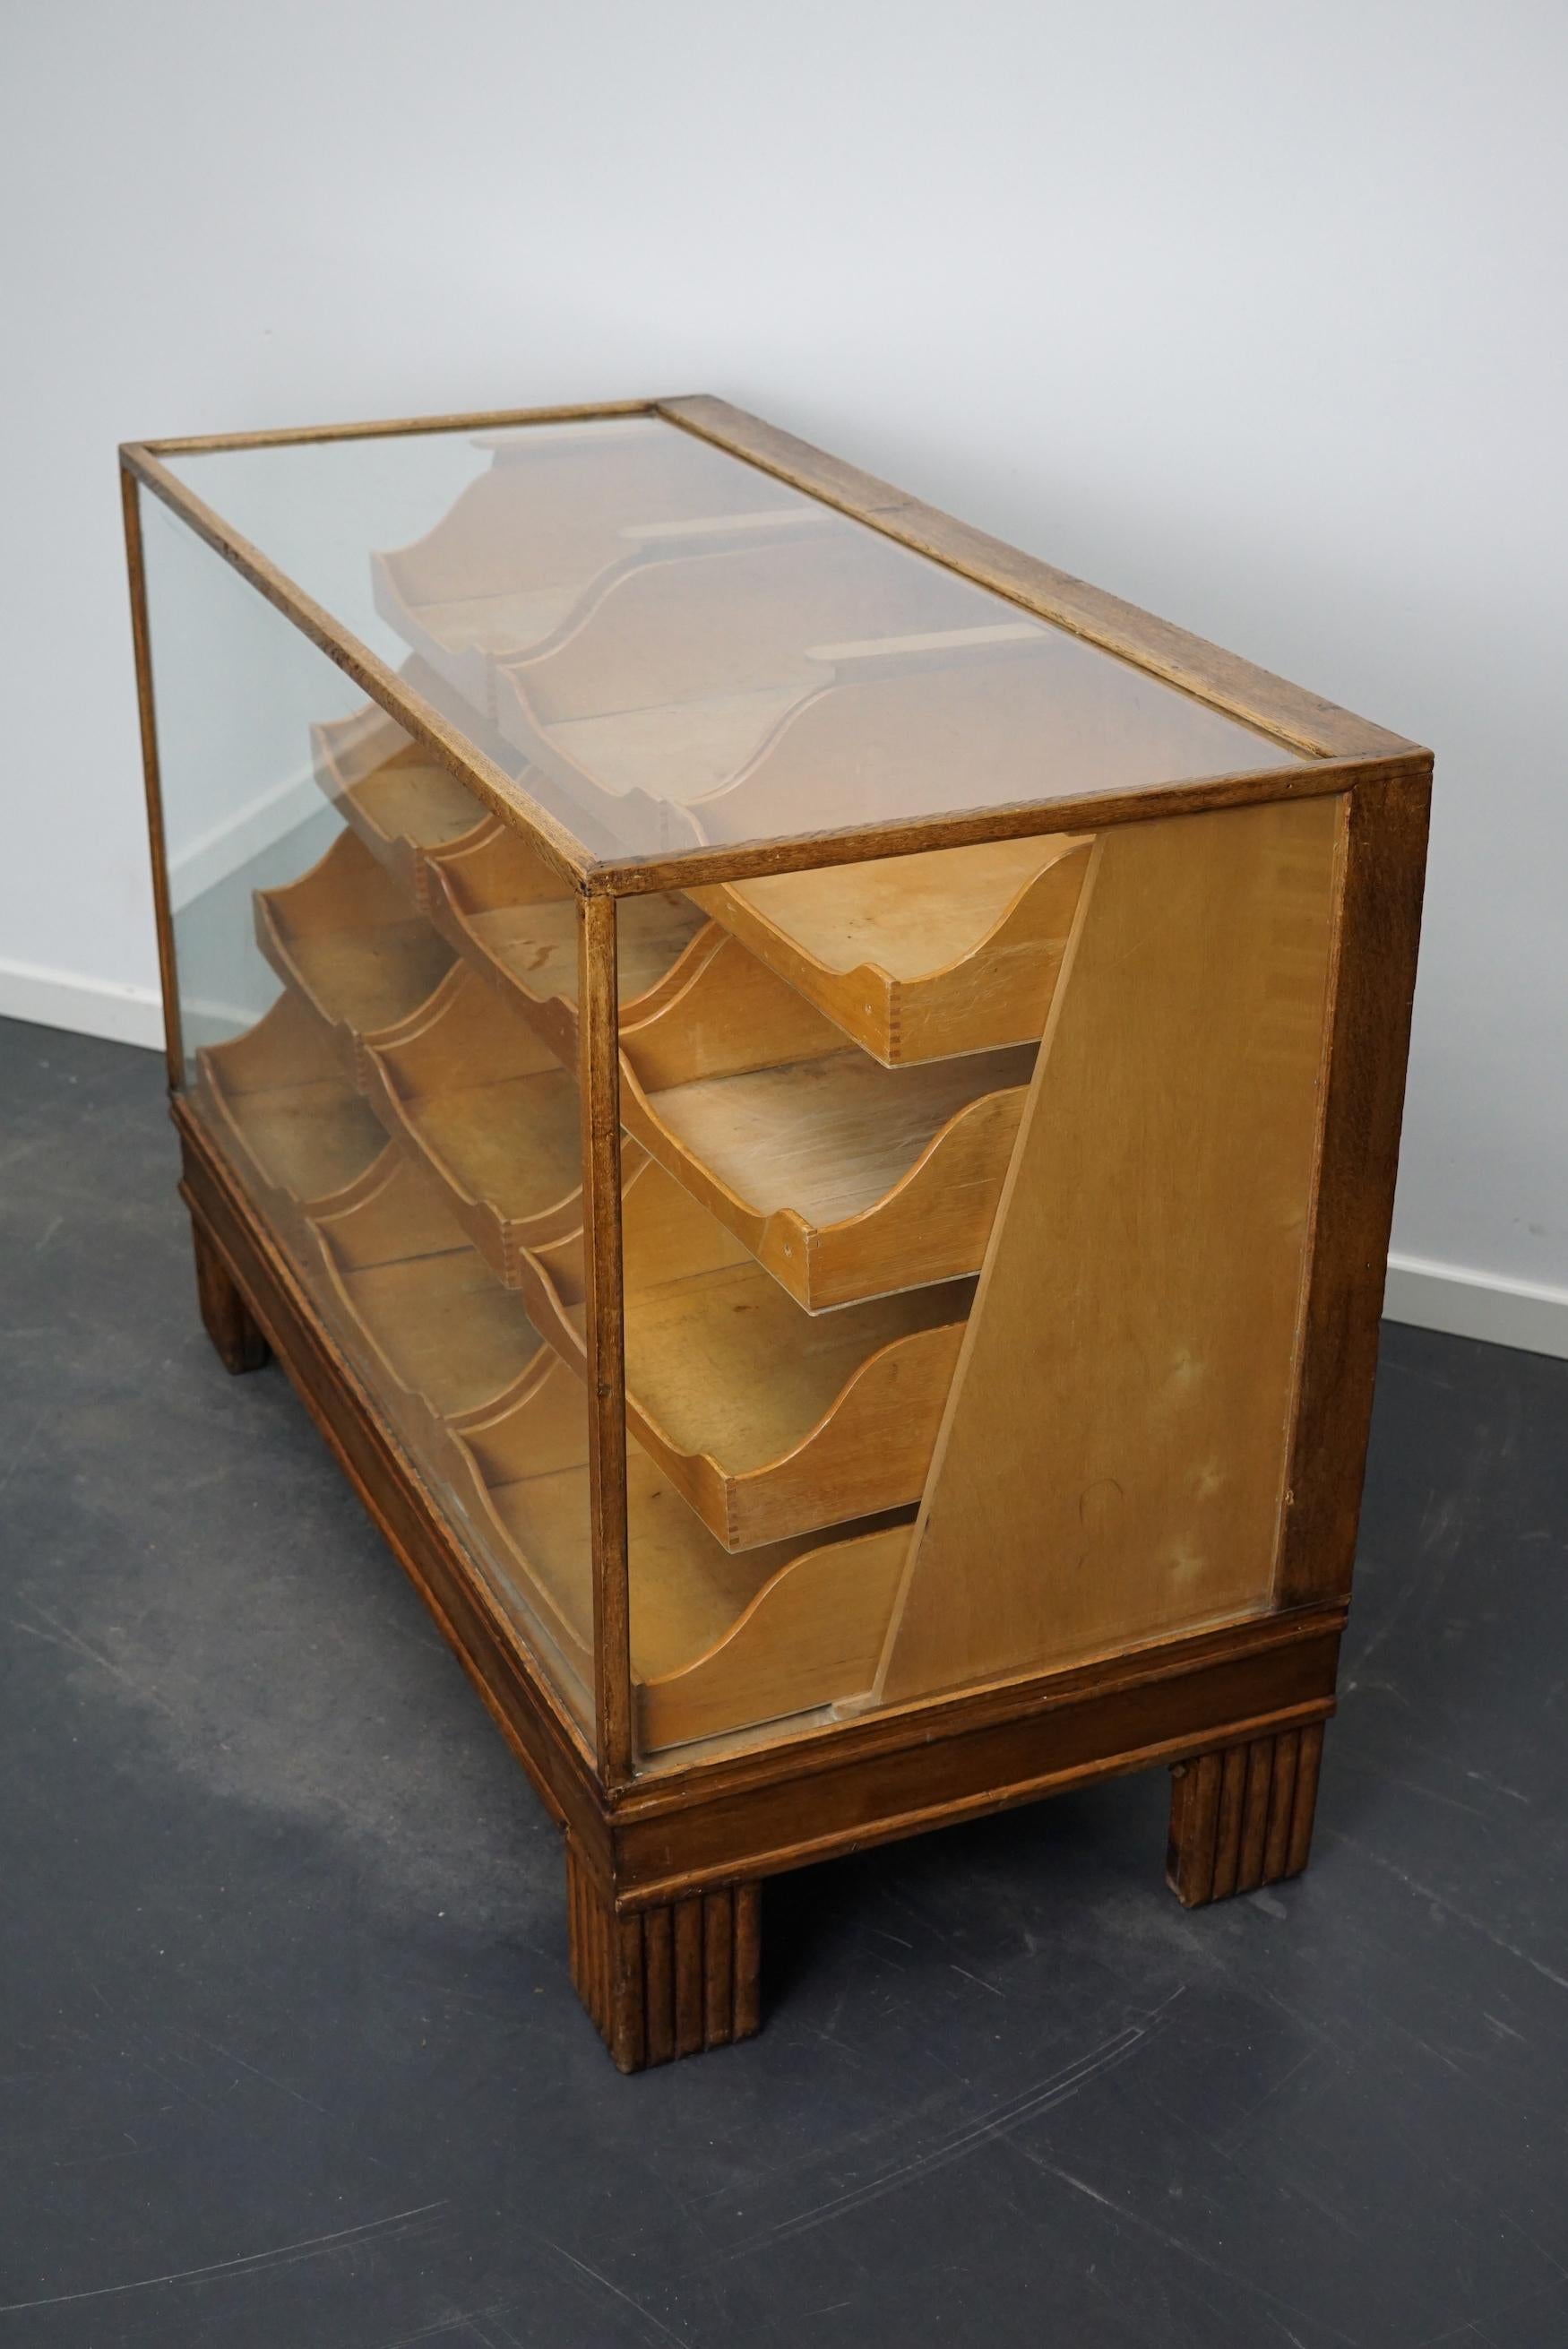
{"x": 1431, "y": 1296}
{"x": 91, "y": 1006}
{"x": 270, "y": 817}
{"x": 1485, "y": 1304}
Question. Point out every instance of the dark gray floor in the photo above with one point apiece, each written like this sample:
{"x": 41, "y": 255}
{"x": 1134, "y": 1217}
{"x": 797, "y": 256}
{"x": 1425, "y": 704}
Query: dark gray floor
{"x": 290, "y": 2055}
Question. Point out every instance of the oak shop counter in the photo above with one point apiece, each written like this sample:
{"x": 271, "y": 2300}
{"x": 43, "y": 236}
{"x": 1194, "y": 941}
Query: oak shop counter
{"x": 812, "y": 1106}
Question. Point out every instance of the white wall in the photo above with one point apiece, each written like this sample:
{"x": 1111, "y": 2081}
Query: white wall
{"x": 1255, "y": 314}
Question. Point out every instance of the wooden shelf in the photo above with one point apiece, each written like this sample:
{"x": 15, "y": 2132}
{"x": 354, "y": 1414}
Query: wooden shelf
{"x": 285, "y": 1113}
{"x": 672, "y": 680}
{"x": 526, "y": 543}
{"x": 770, "y": 1421}
{"x": 344, "y": 937}
{"x": 441, "y": 1326}
{"x": 498, "y": 906}
{"x": 390, "y": 792}
{"x": 473, "y": 1090}
{"x": 718, "y": 1642}
{"x": 1044, "y": 717}
{"x": 846, "y": 1179}
{"x": 919, "y": 958}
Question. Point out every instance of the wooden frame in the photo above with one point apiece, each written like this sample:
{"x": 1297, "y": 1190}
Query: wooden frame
{"x": 666, "y": 1857}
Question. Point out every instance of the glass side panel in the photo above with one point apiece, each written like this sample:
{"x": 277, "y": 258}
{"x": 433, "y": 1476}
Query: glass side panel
{"x": 965, "y": 1231}
{"x": 359, "y": 1050}
{"x": 671, "y": 648}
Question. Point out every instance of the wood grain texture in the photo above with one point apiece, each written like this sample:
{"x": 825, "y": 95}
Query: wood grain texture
{"x": 661, "y": 1982}
{"x": 1242, "y": 1816}
{"x": 1090, "y": 811}
{"x": 811, "y": 1637}
{"x": 1374, "y": 989}
{"x": 846, "y": 1178}
{"x": 846, "y": 1181}
{"x": 769, "y": 1421}
{"x": 955, "y": 950}
{"x": 1112, "y": 1462}
{"x": 836, "y": 1788}
{"x": 238, "y": 1339}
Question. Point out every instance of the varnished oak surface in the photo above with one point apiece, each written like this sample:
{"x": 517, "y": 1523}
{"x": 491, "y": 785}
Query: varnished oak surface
{"x": 918, "y": 957}
{"x": 1113, "y": 1459}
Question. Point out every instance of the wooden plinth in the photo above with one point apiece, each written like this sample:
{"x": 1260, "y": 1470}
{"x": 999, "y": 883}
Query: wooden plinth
{"x": 1242, "y": 1818}
{"x": 668, "y": 1980}
{"x": 238, "y": 1339}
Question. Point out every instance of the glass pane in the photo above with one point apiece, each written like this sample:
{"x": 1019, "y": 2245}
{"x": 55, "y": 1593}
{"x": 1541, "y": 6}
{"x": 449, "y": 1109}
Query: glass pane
{"x": 966, "y": 1225}
{"x": 359, "y": 1056}
{"x": 670, "y": 649}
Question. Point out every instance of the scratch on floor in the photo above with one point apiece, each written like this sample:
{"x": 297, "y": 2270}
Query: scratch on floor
{"x": 280, "y": 2085}
{"x": 1185, "y": 2250}
{"x": 1041, "y": 2099}
{"x": 979, "y": 1980}
{"x": 247, "y": 2264}
{"x": 1450, "y": 1909}
{"x": 624, "y": 2297}
{"x": 1498, "y": 1785}
{"x": 60, "y": 1635}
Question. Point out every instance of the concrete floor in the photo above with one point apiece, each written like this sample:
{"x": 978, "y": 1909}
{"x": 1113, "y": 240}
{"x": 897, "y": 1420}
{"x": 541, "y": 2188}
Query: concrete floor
{"x": 291, "y": 2060}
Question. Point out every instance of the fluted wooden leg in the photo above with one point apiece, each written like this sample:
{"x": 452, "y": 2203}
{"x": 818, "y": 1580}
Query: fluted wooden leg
{"x": 227, "y": 1319}
{"x": 664, "y": 1981}
{"x": 1243, "y": 1816}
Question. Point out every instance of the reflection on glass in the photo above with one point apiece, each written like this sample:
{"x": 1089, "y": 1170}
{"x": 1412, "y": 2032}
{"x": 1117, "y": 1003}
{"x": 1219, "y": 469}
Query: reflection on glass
{"x": 670, "y": 649}
{"x": 404, "y": 1133}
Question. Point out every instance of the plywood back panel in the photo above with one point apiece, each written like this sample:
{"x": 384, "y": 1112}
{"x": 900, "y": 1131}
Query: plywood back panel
{"x": 1111, "y": 1463}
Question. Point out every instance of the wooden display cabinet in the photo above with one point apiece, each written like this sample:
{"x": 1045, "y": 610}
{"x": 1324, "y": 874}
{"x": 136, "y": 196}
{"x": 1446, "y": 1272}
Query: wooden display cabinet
{"x": 811, "y": 1105}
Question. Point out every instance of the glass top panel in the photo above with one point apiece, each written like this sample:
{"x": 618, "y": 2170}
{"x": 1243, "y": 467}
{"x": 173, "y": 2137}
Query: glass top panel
{"x": 670, "y": 649}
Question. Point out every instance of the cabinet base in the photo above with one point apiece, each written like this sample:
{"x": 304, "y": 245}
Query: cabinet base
{"x": 237, "y": 1337}
{"x": 1243, "y": 1816}
{"x": 668, "y": 1980}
